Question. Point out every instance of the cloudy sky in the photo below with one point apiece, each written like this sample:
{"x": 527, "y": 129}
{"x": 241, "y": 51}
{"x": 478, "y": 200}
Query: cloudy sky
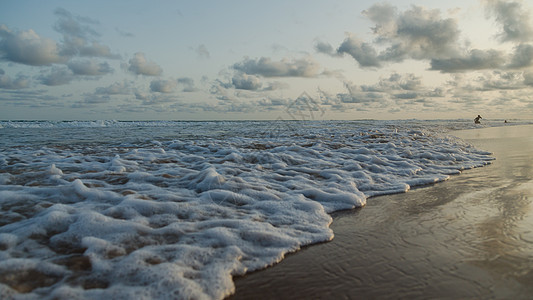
{"x": 280, "y": 59}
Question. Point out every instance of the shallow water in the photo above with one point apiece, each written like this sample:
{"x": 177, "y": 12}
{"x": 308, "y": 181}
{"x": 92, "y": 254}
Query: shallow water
{"x": 175, "y": 209}
{"x": 469, "y": 237}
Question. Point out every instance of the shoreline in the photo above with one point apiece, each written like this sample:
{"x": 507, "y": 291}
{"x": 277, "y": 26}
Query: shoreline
{"x": 467, "y": 237}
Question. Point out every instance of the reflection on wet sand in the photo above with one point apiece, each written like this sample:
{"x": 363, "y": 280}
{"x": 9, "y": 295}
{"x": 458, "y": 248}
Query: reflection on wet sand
{"x": 502, "y": 248}
{"x": 469, "y": 237}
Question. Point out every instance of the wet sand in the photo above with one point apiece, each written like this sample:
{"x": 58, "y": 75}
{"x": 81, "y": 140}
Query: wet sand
{"x": 468, "y": 237}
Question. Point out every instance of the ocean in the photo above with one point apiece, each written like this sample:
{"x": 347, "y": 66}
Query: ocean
{"x": 175, "y": 209}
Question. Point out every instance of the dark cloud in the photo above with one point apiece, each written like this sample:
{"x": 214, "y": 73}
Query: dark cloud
{"x": 285, "y": 68}
{"x": 219, "y": 90}
{"x": 475, "y": 60}
{"x": 79, "y": 37}
{"x": 514, "y": 19}
{"x": 6, "y": 82}
{"x": 412, "y": 95}
{"x": 96, "y": 49}
{"x": 482, "y": 88}
{"x": 522, "y": 57}
{"x": 243, "y": 81}
{"x": 188, "y": 84}
{"x": 96, "y": 99}
{"x": 528, "y": 78}
{"x": 139, "y": 95}
{"x": 363, "y": 53}
{"x": 437, "y": 92}
{"x": 416, "y": 33}
{"x": 163, "y": 86}
{"x": 366, "y": 99}
{"x": 273, "y": 102}
{"x": 90, "y": 68}
{"x": 396, "y": 89}
{"x": 323, "y": 47}
{"x": 356, "y": 95}
{"x": 139, "y": 65}
{"x": 353, "y": 98}
{"x": 155, "y": 99}
{"x": 395, "y": 82}
{"x": 241, "y": 84}
{"x": 498, "y": 80}
{"x": 74, "y": 26}
{"x": 117, "y": 88}
{"x": 26, "y": 47}
{"x": 229, "y": 107}
{"x": 56, "y": 76}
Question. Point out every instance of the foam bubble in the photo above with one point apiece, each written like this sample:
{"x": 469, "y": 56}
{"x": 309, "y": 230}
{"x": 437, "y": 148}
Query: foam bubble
{"x": 114, "y": 215}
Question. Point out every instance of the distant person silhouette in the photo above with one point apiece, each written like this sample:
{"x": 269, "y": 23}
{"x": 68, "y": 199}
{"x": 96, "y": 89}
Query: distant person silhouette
{"x": 476, "y": 120}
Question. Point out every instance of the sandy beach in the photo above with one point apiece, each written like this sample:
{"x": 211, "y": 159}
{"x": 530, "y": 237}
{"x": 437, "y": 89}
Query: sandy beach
{"x": 468, "y": 237}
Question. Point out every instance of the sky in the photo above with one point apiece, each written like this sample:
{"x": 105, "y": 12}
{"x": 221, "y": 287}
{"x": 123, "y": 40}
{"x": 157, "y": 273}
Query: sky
{"x": 265, "y": 60}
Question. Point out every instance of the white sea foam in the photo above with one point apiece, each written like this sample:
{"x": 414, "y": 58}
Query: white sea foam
{"x": 175, "y": 209}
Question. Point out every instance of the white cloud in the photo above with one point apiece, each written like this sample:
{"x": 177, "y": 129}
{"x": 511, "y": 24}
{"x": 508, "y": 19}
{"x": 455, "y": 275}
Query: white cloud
{"x": 27, "y": 47}
{"x": 141, "y": 66}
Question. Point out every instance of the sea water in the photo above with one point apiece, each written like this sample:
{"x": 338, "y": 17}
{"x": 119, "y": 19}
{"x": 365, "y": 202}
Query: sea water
{"x": 162, "y": 209}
